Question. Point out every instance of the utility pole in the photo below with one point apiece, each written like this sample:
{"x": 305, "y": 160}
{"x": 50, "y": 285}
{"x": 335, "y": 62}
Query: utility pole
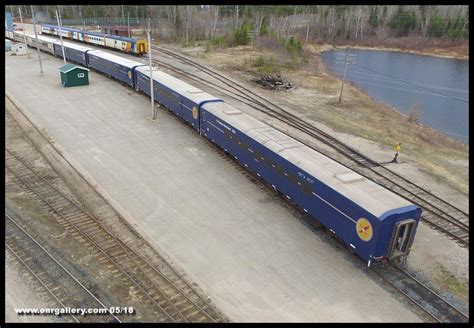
{"x": 307, "y": 29}
{"x": 128, "y": 23}
{"x": 187, "y": 24}
{"x": 348, "y": 60}
{"x": 61, "y": 36}
{"x": 36, "y": 38}
{"x": 24, "y": 33}
{"x": 153, "y": 112}
{"x": 237, "y": 16}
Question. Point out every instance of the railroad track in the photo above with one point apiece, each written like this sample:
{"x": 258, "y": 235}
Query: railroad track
{"x": 437, "y": 213}
{"x": 420, "y": 295}
{"x": 159, "y": 287}
{"x": 63, "y": 287}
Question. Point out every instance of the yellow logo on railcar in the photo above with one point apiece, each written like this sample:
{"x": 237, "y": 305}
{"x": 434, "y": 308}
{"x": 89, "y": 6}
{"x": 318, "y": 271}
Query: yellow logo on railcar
{"x": 364, "y": 229}
{"x": 130, "y": 75}
{"x": 195, "y": 113}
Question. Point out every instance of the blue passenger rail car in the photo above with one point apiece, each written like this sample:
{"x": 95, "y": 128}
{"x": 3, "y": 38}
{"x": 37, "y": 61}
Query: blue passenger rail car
{"x": 117, "y": 67}
{"x": 374, "y": 222}
{"x": 180, "y": 97}
{"x": 73, "y": 52}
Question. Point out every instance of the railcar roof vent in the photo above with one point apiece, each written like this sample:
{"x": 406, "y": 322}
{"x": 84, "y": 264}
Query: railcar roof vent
{"x": 232, "y": 111}
{"x": 349, "y": 177}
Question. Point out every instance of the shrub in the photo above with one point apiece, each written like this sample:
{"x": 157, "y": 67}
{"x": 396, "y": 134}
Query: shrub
{"x": 293, "y": 45}
{"x": 414, "y": 115}
{"x": 218, "y": 40}
{"x": 241, "y": 35}
{"x": 266, "y": 66}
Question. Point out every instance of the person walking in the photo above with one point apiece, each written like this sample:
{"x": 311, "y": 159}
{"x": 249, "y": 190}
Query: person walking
{"x": 397, "y": 148}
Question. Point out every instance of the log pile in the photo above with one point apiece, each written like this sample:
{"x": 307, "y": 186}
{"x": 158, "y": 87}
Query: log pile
{"x": 273, "y": 81}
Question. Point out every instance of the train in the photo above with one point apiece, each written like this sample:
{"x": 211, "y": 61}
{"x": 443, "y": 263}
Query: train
{"x": 121, "y": 43}
{"x": 373, "y": 222}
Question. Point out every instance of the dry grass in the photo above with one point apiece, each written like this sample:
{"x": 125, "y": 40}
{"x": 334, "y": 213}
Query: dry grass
{"x": 449, "y": 282}
{"x": 413, "y": 44}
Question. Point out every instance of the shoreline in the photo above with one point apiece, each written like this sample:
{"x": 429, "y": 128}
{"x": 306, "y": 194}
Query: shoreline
{"x": 393, "y": 108}
{"x": 319, "y": 48}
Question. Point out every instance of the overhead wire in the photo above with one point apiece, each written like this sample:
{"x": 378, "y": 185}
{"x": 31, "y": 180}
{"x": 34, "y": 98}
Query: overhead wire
{"x": 412, "y": 83}
{"x": 376, "y": 77}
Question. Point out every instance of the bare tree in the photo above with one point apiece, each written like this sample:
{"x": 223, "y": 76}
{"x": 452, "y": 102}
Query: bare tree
{"x": 215, "y": 13}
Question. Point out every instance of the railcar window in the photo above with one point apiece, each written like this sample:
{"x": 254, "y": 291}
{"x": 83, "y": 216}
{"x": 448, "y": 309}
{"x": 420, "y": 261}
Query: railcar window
{"x": 292, "y": 177}
{"x": 280, "y": 170}
{"x": 257, "y": 155}
{"x": 268, "y": 162}
{"x": 306, "y": 187}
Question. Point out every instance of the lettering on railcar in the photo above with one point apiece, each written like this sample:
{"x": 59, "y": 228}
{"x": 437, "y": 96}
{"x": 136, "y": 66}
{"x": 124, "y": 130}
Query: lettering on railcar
{"x": 225, "y": 126}
{"x": 305, "y": 177}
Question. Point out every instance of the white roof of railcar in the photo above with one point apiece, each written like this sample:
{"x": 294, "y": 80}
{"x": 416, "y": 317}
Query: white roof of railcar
{"x": 364, "y": 192}
{"x": 114, "y": 58}
{"x": 40, "y": 37}
{"x": 75, "y": 46}
{"x": 181, "y": 87}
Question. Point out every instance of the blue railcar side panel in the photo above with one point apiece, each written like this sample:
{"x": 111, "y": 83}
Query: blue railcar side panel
{"x": 183, "y": 107}
{"x": 162, "y": 95}
{"x": 74, "y": 55}
{"x": 57, "y": 50}
{"x": 329, "y": 207}
{"x": 112, "y": 69}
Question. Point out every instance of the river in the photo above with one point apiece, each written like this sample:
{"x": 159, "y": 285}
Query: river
{"x": 439, "y": 87}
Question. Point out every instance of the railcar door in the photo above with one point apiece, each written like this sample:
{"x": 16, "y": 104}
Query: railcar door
{"x": 402, "y": 238}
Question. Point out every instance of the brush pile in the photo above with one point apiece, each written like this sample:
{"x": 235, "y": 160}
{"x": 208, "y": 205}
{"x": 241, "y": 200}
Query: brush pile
{"x": 273, "y": 82}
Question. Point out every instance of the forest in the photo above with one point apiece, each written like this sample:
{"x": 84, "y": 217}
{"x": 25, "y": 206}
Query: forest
{"x": 337, "y": 24}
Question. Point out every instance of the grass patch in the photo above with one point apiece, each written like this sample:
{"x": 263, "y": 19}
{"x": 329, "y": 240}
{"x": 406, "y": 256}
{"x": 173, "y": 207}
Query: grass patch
{"x": 451, "y": 283}
{"x": 265, "y": 65}
{"x": 190, "y": 43}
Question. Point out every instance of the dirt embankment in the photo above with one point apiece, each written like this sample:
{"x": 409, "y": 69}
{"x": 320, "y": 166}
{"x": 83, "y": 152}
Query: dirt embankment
{"x": 428, "y": 157}
{"x": 437, "y": 48}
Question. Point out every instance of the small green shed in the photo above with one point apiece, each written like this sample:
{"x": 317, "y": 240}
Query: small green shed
{"x": 73, "y": 76}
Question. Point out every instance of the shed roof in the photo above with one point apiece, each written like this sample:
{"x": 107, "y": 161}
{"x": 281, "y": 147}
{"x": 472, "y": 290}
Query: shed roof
{"x": 69, "y": 67}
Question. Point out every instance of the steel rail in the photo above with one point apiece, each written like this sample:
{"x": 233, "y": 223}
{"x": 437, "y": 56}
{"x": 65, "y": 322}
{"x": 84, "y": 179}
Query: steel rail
{"x": 58, "y": 263}
{"x": 132, "y": 255}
